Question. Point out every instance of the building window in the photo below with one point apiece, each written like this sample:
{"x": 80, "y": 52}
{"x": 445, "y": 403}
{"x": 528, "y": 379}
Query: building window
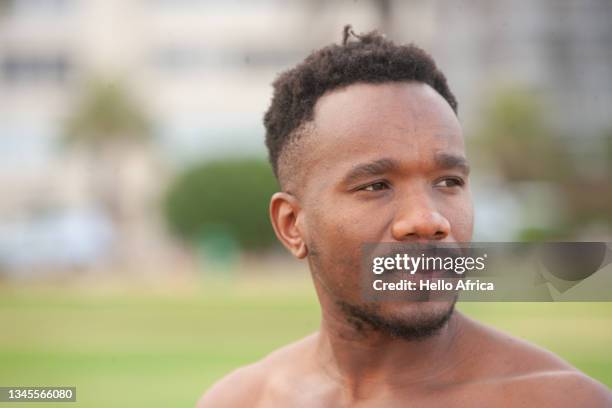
{"x": 16, "y": 69}
{"x": 192, "y": 58}
{"x": 28, "y": 7}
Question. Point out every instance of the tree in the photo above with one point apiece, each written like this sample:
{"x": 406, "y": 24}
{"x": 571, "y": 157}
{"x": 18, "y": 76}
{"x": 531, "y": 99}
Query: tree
{"x": 516, "y": 138}
{"x": 106, "y": 115}
{"x": 109, "y": 128}
{"x": 514, "y": 133}
{"x": 225, "y": 195}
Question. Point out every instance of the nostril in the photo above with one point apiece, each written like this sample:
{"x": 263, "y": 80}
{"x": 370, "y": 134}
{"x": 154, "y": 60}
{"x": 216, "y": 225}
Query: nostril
{"x": 437, "y": 235}
{"x": 416, "y": 225}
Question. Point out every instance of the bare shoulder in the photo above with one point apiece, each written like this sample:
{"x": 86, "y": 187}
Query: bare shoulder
{"x": 504, "y": 355}
{"x": 528, "y": 375}
{"x": 559, "y": 389}
{"x": 233, "y": 389}
{"x": 248, "y": 385}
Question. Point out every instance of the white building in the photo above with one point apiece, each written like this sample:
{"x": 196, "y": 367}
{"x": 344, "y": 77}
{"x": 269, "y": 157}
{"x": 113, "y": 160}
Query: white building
{"x": 202, "y": 70}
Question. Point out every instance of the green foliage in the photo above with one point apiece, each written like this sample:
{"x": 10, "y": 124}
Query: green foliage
{"x": 608, "y": 150}
{"x": 229, "y": 195}
{"x": 106, "y": 113}
{"x": 534, "y": 234}
{"x": 515, "y": 138}
{"x": 515, "y": 135}
{"x": 5, "y": 8}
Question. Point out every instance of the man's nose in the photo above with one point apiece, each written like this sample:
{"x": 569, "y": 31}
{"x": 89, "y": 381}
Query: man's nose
{"x": 418, "y": 219}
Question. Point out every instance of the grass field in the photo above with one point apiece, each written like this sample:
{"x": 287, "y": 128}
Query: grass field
{"x": 153, "y": 350}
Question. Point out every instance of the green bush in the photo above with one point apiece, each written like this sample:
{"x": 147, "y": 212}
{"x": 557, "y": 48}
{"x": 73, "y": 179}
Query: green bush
{"x": 515, "y": 136}
{"x": 227, "y": 195}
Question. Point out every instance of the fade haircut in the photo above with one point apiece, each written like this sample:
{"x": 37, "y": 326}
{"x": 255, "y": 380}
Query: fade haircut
{"x": 367, "y": 58}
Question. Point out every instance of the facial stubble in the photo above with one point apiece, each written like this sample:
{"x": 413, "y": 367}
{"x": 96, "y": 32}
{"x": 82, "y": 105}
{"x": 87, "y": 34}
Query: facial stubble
{"x": 367, "y": 318}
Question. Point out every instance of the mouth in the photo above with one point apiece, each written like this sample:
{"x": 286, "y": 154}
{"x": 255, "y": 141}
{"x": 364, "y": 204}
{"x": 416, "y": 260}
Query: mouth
{"x": 393, "y": 275}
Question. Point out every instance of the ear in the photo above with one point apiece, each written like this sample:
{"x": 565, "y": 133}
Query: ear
{"x": 285, "y": 213}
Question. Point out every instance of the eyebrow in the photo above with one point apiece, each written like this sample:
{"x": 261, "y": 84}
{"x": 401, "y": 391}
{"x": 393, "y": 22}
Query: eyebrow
{"x": 374, "y": 168}
{"x": 381, "y": 166}
{"x": 451, "y": 161}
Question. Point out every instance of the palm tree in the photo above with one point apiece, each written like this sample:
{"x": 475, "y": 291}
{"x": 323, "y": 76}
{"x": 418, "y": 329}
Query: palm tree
{"x": 110, "y": 130}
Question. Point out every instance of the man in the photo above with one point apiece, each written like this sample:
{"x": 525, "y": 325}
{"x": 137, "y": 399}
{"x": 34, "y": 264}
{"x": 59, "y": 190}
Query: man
{"x": 365, "y": 142}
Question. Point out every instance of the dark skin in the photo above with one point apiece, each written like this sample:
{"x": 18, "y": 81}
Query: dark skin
{"x": 386, "y": 163}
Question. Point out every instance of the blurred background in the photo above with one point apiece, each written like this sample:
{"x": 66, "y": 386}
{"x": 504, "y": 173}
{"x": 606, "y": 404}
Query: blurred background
{"x": 136, "y": 257}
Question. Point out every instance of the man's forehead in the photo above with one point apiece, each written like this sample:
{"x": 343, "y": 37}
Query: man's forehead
{"x": 363, "y": 122}
{"x": 394, "y": 107}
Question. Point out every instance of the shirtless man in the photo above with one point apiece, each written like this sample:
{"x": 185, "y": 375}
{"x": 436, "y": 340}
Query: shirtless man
{"x": 365, "y": 142}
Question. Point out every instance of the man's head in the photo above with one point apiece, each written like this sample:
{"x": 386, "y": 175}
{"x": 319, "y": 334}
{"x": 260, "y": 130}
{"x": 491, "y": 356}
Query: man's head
{"x": 371, "y": 59}
{"x": 366, "y": 145}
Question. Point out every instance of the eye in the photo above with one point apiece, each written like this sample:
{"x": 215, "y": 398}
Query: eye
{"x": 450, "y": 182}
{"x": 378, "y": 186}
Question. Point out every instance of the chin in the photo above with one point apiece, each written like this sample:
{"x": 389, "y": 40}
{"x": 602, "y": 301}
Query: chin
{"x": 416, "y": 313}
{"x": 406, "y": 320}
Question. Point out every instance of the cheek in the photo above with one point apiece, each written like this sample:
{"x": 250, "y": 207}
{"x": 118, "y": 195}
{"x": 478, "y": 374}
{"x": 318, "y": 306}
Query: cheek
{"x": 334, "y": 254}
{"x": 460, "y": 215}
{"x": 345, "y": 229}
{"x": 334, "y": 238}
{"x": 326, "y": 231}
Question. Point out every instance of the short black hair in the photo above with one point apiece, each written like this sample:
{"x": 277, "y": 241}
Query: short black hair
{"x": 367, "y": 58}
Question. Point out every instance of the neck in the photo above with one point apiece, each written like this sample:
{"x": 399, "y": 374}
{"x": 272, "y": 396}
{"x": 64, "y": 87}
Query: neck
{"x": 365, "y": 361}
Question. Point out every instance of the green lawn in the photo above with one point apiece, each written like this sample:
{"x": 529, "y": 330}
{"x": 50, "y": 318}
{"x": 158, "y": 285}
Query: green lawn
{"x": 146, "y": 350}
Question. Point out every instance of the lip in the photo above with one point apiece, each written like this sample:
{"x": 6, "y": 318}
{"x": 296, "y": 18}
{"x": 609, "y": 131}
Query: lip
{"x": 409, "y": 275}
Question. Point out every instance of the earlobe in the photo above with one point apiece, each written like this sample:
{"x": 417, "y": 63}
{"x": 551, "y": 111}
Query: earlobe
{"x": 302, "y": 251}
{"x": 285, "y": 212}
